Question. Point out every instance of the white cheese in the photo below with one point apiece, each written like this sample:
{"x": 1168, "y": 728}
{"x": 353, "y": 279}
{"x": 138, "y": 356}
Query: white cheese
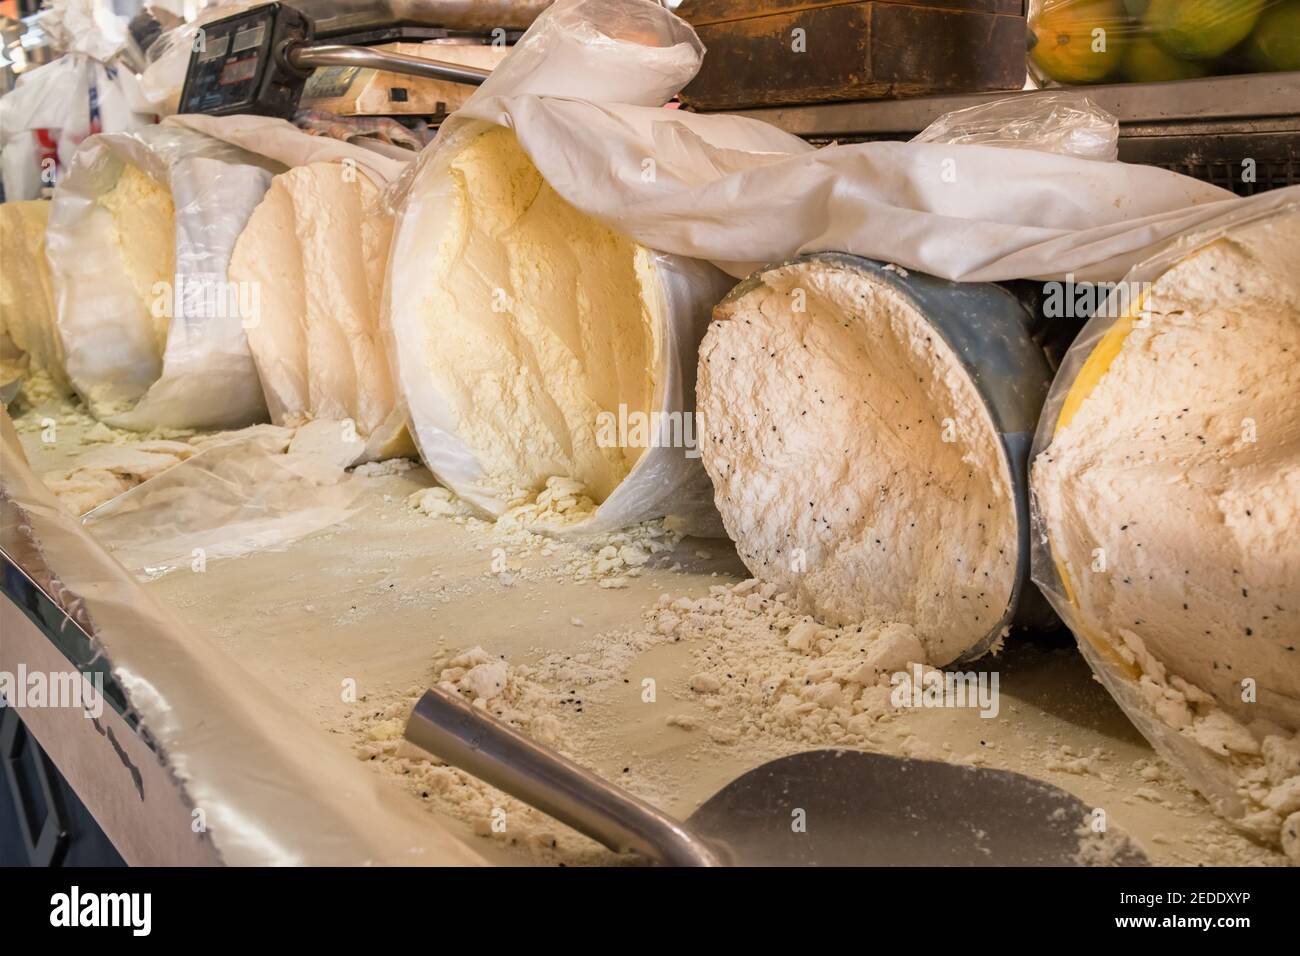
{"x": 1181, "y": 468}
{"x": 1170, "y": 495}
{"x": 537, "y": 319}
{"x": 854, "y": 462}
{"x": 315, "y": 249}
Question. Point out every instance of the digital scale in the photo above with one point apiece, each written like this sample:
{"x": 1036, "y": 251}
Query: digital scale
{"x": 258, "y": 61}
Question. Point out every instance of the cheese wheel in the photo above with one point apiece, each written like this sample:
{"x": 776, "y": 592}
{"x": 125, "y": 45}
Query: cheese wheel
{"x": 856, "y": 461}
{"x": 1170, "y": 491}
{"x": 315, "y": 250}
{"x": 538, "y": 349}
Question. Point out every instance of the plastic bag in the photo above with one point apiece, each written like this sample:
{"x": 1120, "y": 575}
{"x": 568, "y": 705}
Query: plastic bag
{"x": 281, "y": 142}
{"x": 643, "y": 54}
{"x": 168, "y": 59}
{"x": 632, "y": 51}
{"x": 84, "y": 26}
{"x": 206, "y": 377}
{"x": 741, "y": 193}
{"x": 349, "y": 379}
{"x": 52, "y": 109}
{"x": 250, "y": 491}
{"x": 1112, "y": 41}
{"x": 1216, "y": 777}
{"x": 1067, "y": 123}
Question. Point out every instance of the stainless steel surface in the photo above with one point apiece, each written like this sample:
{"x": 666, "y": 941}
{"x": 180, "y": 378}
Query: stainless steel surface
{"x": 310, "y": 57}
{"x": 822, "y": 807}
{"x": 478, "y": 743}
{"x": 1223, "y": 97}
{"x": 332, "y": 16}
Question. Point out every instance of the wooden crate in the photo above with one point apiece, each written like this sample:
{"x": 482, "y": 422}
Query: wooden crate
{"x": 852, "y": 50}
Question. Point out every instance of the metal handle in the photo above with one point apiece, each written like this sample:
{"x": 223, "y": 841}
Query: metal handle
{"x": 478, "y": 743}
{"x": 306, "y": 58}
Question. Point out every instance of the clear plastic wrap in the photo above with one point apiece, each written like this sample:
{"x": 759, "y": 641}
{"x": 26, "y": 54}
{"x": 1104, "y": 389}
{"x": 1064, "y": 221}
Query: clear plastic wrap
{"x": 206, "y": 378}
{"x": 1214, "y": 776}
{"x": 255, "y": 490}
{"x": 1067, "y": 123}
{"x": 1144, "y": 41}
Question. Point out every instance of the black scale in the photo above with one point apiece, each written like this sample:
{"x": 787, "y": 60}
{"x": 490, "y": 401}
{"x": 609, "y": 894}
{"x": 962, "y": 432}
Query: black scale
{"x": 239, "y": 65}
{"x": 258, "y": 61}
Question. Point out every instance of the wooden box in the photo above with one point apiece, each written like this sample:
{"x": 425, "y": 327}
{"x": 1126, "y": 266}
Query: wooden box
{"x": 770, "y": 52}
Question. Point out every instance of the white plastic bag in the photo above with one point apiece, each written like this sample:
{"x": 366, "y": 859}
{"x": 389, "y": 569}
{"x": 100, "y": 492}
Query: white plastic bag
{"x": 52, "y": 109}
{"x": 635, "y": 51}
{"x": 631, "y": 51}
{"x": 741, "y": 193}
{"x": 206, "y": 378}
{"x": 84, "y": 26}
{"x": 282, "y": 142}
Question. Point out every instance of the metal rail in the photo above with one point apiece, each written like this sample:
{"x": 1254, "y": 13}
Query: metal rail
{"x": 1206, "y": 100}
{"x": 307, "y": 58}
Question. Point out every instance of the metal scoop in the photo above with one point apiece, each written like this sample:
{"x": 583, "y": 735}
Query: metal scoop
{"x": 822, "y": 807}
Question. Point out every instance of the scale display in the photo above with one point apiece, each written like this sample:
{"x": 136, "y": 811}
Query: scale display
{"x": 236, "y": 66}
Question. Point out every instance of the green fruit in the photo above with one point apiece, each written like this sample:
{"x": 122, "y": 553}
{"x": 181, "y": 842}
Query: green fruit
{"x": 1275, "y": 44}
{"x": 1201, "y": 29}
{"x": 1144, "y": 62}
